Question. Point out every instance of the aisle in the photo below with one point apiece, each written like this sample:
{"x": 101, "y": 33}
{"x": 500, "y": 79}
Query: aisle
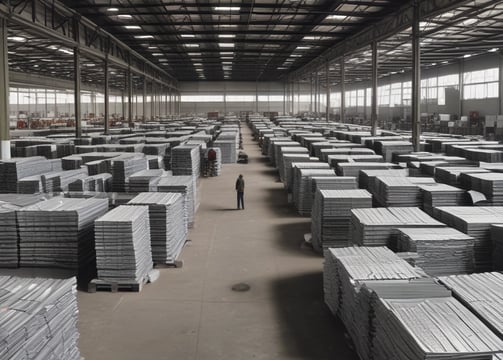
{"x": 192, "y": 312}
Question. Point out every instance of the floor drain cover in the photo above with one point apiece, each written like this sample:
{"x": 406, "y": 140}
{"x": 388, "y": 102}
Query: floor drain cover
{"x": 241, "y": 287}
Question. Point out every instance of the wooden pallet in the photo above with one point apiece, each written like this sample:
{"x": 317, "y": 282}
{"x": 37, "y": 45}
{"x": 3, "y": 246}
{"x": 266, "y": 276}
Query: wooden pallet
{"x": 176, "y": 264}
{"x": 102, "y": 285}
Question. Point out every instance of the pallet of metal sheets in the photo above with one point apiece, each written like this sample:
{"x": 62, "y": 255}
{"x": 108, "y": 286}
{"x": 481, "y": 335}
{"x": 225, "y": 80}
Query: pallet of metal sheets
{"x": 374, "y": 227}
{"x": 289, "y": 150}
{"x": 145, "y": 180}
{"x": 313, "y": 164}
{"x": 58, "y": 233}
{"x": 441, "y": 251}
{"x": 30, "y": 185}
{"x": 399, "y": 191}
{"x": 95, "y": 183}
{"x": 155, "y": 162}
{"x": 475, "y": 221}
{"x": 168, "y": 224}
{"x": 186, "y": 160}
{"x": 490, "y": 184}
{"x": 123, "y": 251}
{"x": 353, "y": 169}
{"x": 302, "y": 191}
{"x": 318, "y": 146}
{"x": 39, "y": 318}
{"x": 433, "y": 329}
{"x": 388, "y": 149}
{"x": 334, "y": 183}
{"x": 451, "y": 175}
{"x": 15, "y": 169}
{"x": 331, "y": 216}
{"x": 287, "y": 161}
{"x": 59, "y": 181}
{"x": 268, "y": 140}
{"x": 71, "y": 162}
{"x": 497, "y": 242}
{"x": 485, "y": 155}
{"x": 367, "y": 177}
{"x": 324, "y": 153}
{"x": 482, "y": 294}
{"x": 185, "y": 185}
{"x": 123, "y": 167}
{"x": 333, "y": 160}
{"x": 276, "y": 147}
{"x": 438, "y": 195}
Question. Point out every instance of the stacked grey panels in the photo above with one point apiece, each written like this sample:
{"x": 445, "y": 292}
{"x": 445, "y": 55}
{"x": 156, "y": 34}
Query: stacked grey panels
{"x": 275, "y": 147}
{"x": 59, "y": 232}
{"x": 186, "y": 160}
{"x": 123, "y": 252}
{"x": 331, "y": 216}
{"x": 451, "y": 175}
{"x": 353, "y": 169}
{"x": 168, "y": 224}
{"x": 437, "y": 195}
{"x": 59, "y": 181}
{"x": 38, "y": 319}
{"x": 476, "y": 222}
{"x": 399, "y": 191}
{"x": 490, "y": 184}
{"x": 497, "y": 240}
{"x": 302, "y": 191}
{"x": 333, "y": 160}
{"x": 186, "y": 186}
{"x": 15, "y": 169}
{"x": 367, "y": 177}
{"x": 123, "y": 167}
{"x": 324, "y": 153}
{"x": 291, "y": 173}
{"x": 440, "y": 251}
{"x": 373, "y": 227}
{"x": 288, "y": 159}
{"x": 289, "y": 150}
{"x": 144, "y": 180}
{"x": 482, "y": 294}
{"x": 229, "y": 150}
{"x": 95, "y": 183}
{"x": 334, "y": 183}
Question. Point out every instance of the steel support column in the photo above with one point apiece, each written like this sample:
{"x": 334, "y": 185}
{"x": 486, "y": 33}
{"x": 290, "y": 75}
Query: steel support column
{"x": 327, "y": 78}
{"x": 343, "y": 90}
{"x": 4, "y": 92}
{"x": 375, "y": 63}
{"x": 76, "y": 92}
{"x": 311, "y": 94}
{"x": 144, "y": 100}
{"x": 416, "y": 79}
{"x": 316, "y": 93}
{"x": 106, "y": 120}
{"x": 130, "y": 97}
{"x": 284, "y": 98}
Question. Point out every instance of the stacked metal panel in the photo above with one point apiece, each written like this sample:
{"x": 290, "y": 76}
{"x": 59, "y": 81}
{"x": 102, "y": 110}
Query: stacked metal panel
{"x": 475, "y": 221}
{"x": 96, "y": 183}
{"x": 186, "y": 160}
{"x": 334, "y": 183}
{"x": 373, "y": 227}
{"x": 353, "y": 169}
{"x": 144, "y": 180}
{"x": 451, "y": 175}
{"x": 440, "y": 251}
{"x": 38, "y": 319}
{"x": 333, "y": 160}
{"x": 437, "y": 195}
{"x": 390, "y": 148}
{"x": 331, "y": 216}
{"x": 59, "y": 232}
{"x": 302, "y": 191}
{"x": 287, "y": 161}
{"x": 482, "y": 294}
{"x": 289, "y": 150}
{"x": 59, "y": 181}
{"x": 123, "y": 251}
{"x": 324, "y": 153}
{"x": 185, "y": 185}
{"x": 30, "y": 185}
{"x": 439, "y": 328}
{"x": 291, "y": 173}
{"x": 168, "y": 224}
{"x": 276, "y": 145}
{"x": 497, "y": 240}
{"x": 490, "y": 184}
{"x": 123, "y": 167}
{"x": 399, "y": 191}
{"x": 367, "y": 177}
{"x": 13, "y": 170}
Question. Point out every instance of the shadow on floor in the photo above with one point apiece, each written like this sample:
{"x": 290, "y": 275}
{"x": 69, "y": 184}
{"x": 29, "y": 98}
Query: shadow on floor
{"x": 290, "y": 237}
{"x": 277, "y": 199}
{"x": 309, "y": 330}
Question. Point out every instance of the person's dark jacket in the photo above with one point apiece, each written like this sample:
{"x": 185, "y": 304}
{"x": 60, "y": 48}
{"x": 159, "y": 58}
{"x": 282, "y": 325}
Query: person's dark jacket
{"x": 240, "y": 185}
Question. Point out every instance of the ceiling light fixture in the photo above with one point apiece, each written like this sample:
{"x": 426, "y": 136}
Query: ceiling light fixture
{"x": 132, "y": 27}
{"x": 227, "y": 8}
{"x": 112, "y": 9}
{"x": 124, "y": 16}
{"x": 226, "y": 45}
{"x": 16, "y": 38}
{"x": 226, "y": 36}
{"x": 143, "y": 37}
{"x": 187, "y": 35}
{"x": 336, "y": 17}
{"x": 191, "y": 45}
{"x": 466, "y": 56}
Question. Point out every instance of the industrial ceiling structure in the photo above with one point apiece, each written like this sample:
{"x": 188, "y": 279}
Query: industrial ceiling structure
{"x": 242, "y": 40}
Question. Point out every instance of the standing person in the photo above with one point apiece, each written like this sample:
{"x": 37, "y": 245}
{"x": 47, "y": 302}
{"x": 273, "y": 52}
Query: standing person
{"x": 240, "y": 190}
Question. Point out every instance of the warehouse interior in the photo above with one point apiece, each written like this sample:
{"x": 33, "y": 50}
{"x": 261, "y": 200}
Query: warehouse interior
{"x": 369, "y": 137}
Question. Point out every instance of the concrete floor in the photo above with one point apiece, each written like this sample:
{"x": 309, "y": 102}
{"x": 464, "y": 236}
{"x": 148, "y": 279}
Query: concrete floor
{"x": 192, "y": 313}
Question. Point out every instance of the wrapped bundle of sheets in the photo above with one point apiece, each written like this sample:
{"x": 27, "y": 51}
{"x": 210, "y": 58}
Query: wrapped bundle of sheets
{"x": 39, "y": 319}
{"x": 186, "y": 160}
{"x": 123, "y": 167}
{"x": 168, "y": 224}
{"x": 482, "y": 294}
{"x": 289, "y": 150}
{"x": 437, "y": 195}
{"x": 30, "y": 185}
{"x": 497, "y": 242}
{"x": 15, "y": 169}
{"x": 302, "y": 191}
{"x": 476, "y": 222}
{"x": 441, "y": 251}
{"x": 331, "y": 216}
{"x": 95, "y": 183}
{"x": 123, "y": 252}
{"x": 184, "y": 185}
{"x": 374, "y": 227}
{"x": 59, "y": 233}
{"x": 388, "y": 149}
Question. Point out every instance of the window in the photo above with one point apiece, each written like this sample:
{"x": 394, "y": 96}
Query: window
{"x": 407, "y": 93}
{"x": 481, "y": 84}
{"x": 240, "y": 98}
{"x": 368, "y": 94}
{"x": 447, "y": 81}
{"x": 396, "y": 94}
{"x": 360, "y": 97}
{"x": 201, "y": 98}
{"x": 279, "y": 98}
{"x": 383, "y": 95}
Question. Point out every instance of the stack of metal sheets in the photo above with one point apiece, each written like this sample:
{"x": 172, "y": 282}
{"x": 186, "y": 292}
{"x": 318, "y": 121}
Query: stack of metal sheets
{"x": 276, "y": 145}
{"x": 374, "y": 227}
{"x": 333, "y": 160}
{"x": 476, "y": 222}
{"x": 15, "y": 169}
{"x": 30, "y": 185}
{"x": 123, "y": 252}
{"x": 334, "y": 183}
{"x": 441, "y": 251}
{"x": 168, "y": 224}
{"x": 353, "y": 169}
{"x": 38, "y": 319}
{"x": 482, "y": 294}
{"x": 214, "y": 169}
{"x": 59, "y": 232}
{"x": 367, "y": 177}
{"x": 291, "y": 173}
{"x": 490, "y": 184}
{"x": 59, "y": 181}
{"x": 96, "y": 183}
{"x": 9, "y": 256}
{"x": 186, "y": 186}
{"x": 439, "y": 328}
{"x": 144, "y": 180}
{"x": 324, "y": 153}
{"x": 436, "y": 195}
{"x": 388, "y": 149}
{"x": 331, "y": 216}
{"x": 186, "y": 160}
{"x": 399, "y": 191}
{"x": 287, "y": 161}
{"x": 303, "y": 188}
{"x": 497, "y": 240}
{"x": 123, "y": 167}
{"x": 451, "y": 175}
